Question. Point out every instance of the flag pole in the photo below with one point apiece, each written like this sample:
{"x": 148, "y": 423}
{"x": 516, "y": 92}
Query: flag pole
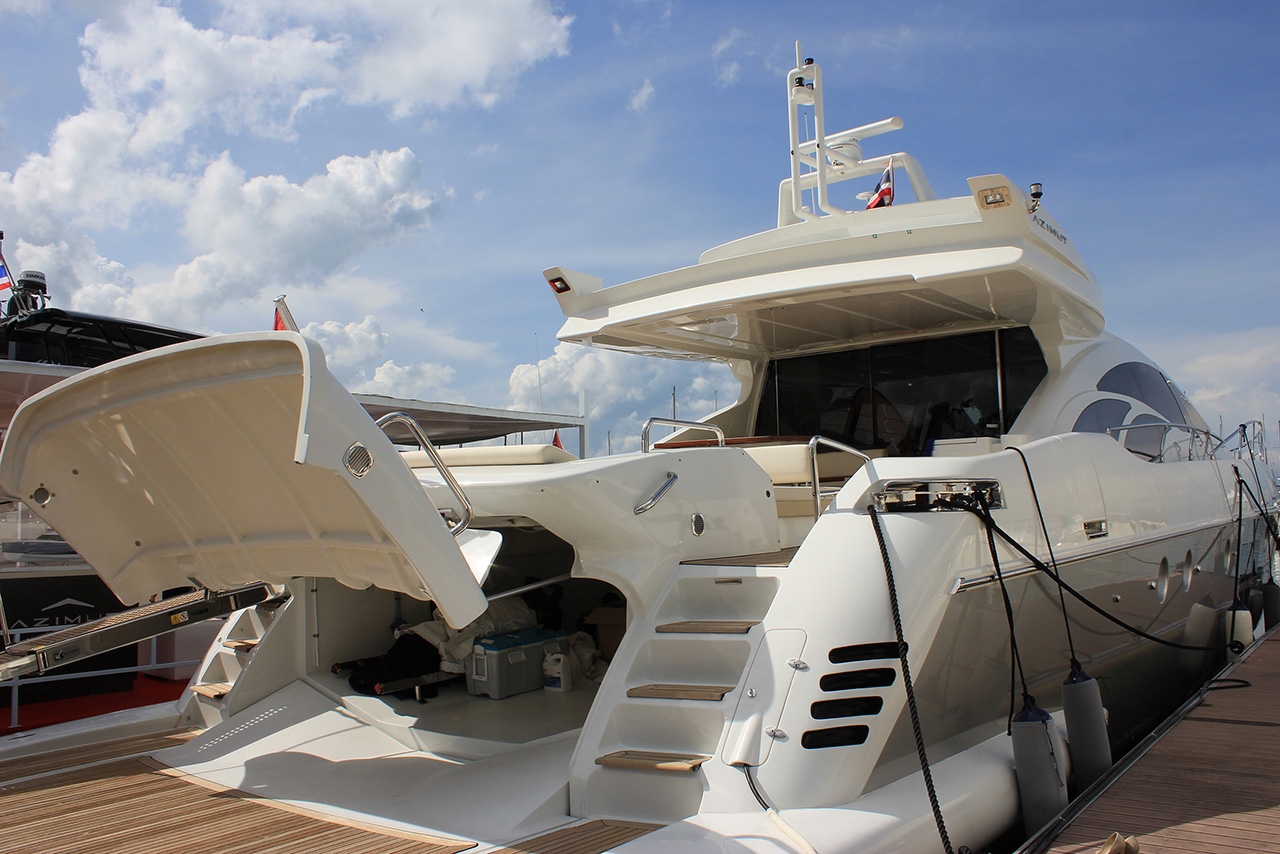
{"x": 284, "y": 319}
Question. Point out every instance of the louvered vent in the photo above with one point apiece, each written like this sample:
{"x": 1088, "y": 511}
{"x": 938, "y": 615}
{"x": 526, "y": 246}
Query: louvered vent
{"x": 358, "y": 460}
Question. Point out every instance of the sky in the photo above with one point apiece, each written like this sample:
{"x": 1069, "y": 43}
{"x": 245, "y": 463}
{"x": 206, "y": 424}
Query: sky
{"x": 405, "y": 169}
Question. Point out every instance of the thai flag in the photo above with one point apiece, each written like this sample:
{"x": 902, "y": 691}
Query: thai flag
{"x": 883, "y": 195}
{"x": 5, "y": 280}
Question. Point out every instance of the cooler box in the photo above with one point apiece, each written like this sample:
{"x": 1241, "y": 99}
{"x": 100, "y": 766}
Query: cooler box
{"x": 511, "y": 663}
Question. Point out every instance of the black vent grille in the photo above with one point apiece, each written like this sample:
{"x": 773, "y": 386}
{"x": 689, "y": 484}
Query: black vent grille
{"x": 839, "y": 736}
{"x": 855, "y": 680}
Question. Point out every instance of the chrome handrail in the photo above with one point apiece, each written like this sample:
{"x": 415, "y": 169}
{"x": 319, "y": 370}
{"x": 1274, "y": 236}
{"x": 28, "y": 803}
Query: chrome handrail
{"x": 449, "y": 479}
{"x": 813, "y": 465}
{"x": 672, "y": 477}
{"x": 1242, "y": 432}
{"x": 1171, "y": 425}
{"x": 672, "y": 422}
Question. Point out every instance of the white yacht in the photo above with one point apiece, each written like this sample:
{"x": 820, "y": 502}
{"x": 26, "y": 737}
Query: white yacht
{"x": 933, "y": 426}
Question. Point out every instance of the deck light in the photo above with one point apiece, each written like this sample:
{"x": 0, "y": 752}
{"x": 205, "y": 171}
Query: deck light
{"x": 559, "y": 285}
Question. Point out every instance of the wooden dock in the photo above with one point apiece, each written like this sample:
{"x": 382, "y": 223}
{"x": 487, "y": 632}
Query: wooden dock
{"x": 1210, "y": 785}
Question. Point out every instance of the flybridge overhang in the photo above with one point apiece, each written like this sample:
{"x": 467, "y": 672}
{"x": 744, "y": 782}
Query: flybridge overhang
{"x": 933, "y": 267}
{"x": 828, "y": 278}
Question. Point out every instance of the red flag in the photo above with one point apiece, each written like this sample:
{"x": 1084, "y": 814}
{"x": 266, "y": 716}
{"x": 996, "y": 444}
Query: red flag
{"x": 555, "y": 440}
{"x": 279, "y": 326}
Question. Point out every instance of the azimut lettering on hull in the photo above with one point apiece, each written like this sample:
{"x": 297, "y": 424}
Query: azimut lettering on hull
{"x": 1049, "y": 228}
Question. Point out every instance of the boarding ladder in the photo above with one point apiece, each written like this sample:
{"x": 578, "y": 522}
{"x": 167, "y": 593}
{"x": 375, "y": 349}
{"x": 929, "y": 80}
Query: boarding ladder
{"x": 56, "y": 649}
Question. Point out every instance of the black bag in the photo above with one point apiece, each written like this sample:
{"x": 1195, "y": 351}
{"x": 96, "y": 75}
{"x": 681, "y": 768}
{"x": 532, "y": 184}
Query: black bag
{"x": 411, "y": 655}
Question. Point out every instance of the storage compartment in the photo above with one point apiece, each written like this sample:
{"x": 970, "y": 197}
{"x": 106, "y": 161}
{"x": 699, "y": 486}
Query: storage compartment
{"x": 349, "y": 626}
{"x": 511, "y": 663}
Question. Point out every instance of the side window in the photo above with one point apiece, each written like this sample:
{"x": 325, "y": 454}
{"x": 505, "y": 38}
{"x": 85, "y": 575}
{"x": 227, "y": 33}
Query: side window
{"x": 1100, "y": 415}
{"x": 1145, "y": 441}
{"x": 1143, "y": 382}
{"x": 1022, "y": 362}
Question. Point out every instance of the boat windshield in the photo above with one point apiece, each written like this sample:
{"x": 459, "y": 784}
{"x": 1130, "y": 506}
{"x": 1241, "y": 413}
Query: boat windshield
{"x": 902, "y": 397}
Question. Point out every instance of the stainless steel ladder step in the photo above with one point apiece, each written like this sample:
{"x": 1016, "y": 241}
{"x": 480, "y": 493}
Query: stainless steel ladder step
{"x": 653, "y": 760}
{"x": 672, "y": 691}
{"x": 55, "y": 649}
{"x": 711, "y": 627}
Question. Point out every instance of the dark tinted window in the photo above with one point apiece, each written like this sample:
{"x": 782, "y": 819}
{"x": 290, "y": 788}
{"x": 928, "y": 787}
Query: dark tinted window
{"x": 1100, "y": 415}
{"x": 1147, "y": 441}
{"x": 903, "y": 396}
{"x": 1024, "y": 368}
{"x": 1143, "y": 382}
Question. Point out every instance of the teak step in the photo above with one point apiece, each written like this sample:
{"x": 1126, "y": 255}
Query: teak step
{"x": 710, "y": 627}
{"x": 240, "y": 645}
{"x": 653, "y": 760}
{"x": 212, "y": 690}
{"x": 669, "y": 691}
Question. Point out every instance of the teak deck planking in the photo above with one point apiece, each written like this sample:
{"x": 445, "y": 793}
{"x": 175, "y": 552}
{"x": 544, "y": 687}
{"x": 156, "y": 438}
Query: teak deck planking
{"x": 1211, "y": 784}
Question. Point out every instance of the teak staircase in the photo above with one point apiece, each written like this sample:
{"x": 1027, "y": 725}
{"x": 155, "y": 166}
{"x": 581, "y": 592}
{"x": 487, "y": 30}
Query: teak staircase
{"x": 662, "y": 709}
{"x": 215, "y": 683}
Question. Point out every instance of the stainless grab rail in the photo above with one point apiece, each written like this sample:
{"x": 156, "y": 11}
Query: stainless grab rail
{"x": 813, "y": 465}
{"x": 671, "y": 422}
{"x": 1243, "y": 432}
{"x": 1171, "y": 425}
{"x": 672, "y": 477}
{"x": 449, "y": 479}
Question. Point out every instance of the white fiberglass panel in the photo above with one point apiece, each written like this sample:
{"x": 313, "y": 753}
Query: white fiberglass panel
{"x": 220, "y": 462}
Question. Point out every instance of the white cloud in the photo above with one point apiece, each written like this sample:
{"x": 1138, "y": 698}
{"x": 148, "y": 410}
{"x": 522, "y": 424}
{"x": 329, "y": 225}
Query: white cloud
{"x": 1234, "y": 376}
{"x": 422, "y": 381}
{"x": 412, "y": 54}
{"x": 89, "y": 177}
{"x": 351, "y": 348}
{"x": 641, "y": 97}
{"x": 264, "y": 233}
{"x": 727, "y": 70}
{"x": 623, "y": 390}
{"x": 156, "y": 83}
{"x": 167, "y": 75}
{"x": 356, "y": 353}
{"x": 24, "y": 7}
{"x": 282, "y": 228}
{"x": 726, "y": 41}
{"x": 728, "y": 74}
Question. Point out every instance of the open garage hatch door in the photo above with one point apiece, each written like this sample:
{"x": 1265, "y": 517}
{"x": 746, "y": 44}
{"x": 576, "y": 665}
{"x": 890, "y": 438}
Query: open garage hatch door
{"x": 229, "y": 460}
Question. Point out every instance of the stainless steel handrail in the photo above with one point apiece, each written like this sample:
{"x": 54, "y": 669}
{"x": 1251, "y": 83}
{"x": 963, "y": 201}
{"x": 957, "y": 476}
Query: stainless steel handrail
{"x": 1242, "y": 432}
{"x": 449, "y": 479}
{"x": 813, "y": 465}
{"x": 671, "y": 422}
{"x": 1171, "y": 425}
{"x": 672, "y": 477}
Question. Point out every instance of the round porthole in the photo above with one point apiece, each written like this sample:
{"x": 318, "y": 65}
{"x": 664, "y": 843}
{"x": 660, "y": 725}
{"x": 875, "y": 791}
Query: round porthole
{"x": 1162, "y": 580}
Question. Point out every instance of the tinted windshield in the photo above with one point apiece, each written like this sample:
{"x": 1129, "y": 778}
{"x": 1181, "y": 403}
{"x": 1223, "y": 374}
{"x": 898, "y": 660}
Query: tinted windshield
{"x": 901, "y": 397}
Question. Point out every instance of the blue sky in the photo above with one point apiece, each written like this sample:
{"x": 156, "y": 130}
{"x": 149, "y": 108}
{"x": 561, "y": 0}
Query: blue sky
{"x": 404, "y": 169}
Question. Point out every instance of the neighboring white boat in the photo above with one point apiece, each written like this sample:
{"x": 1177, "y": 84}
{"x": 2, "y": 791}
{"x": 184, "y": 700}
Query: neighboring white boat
{"x": 909, "y": 374}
